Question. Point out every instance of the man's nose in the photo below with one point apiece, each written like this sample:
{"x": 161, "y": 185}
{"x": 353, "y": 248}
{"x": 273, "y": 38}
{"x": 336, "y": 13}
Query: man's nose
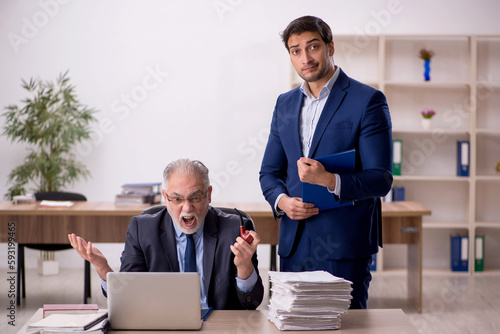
{"x": 306, "y": 57}
{"x": 187, "y": 206}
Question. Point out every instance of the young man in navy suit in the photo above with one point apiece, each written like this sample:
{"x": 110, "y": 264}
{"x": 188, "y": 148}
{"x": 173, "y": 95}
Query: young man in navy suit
{"x": 328, "y": 113}
{"x": 227, "y": 264}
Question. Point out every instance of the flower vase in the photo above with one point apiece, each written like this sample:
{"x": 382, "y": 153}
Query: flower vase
{"x": 427, "y": 70}
{"x": 427, "y": 123}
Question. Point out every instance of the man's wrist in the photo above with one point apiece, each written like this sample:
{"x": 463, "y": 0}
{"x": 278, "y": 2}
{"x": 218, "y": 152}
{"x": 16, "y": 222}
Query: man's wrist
{"x": 248, "y": 284}
{"x": 244, "y": 271}
{"x": 330, "y": 181}
{"x": 277, "y": 209}
{"x": 336, "y": 190}
{"x": 104, "y": 271}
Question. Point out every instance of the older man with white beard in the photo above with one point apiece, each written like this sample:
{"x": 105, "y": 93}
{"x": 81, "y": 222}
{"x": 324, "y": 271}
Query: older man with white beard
{"x": 227, "y": 264}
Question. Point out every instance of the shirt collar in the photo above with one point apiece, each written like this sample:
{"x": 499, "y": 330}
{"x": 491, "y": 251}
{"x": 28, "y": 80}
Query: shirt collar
{"x": 304, "y": 88}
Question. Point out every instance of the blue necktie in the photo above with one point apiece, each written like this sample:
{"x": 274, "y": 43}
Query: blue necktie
{"x": 190, "y": 256}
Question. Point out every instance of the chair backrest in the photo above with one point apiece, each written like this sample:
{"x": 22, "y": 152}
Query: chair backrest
{"x": 59, "y": 196}
{"x": 153, "y": 209}
{"x": 238, "y": 213}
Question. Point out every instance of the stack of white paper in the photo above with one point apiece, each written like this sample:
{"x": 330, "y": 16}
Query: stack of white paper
{"x": 308, "y": 300}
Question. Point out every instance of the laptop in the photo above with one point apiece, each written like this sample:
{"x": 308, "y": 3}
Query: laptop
{"x": 154, "y": 301}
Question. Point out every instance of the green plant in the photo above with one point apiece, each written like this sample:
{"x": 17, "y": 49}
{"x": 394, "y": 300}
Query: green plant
{"x": 51, "y": 122}
{"x": 426, "y": 54}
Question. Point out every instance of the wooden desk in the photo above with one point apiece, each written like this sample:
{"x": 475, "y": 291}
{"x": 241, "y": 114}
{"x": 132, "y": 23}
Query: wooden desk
{"x": 376, "y": 321}
{"x": 102, "y": 221}
{"x": 402, "y": 224}
{"x": 107, "y": 222}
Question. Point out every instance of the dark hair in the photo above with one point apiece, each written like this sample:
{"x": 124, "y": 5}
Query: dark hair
{"x": 307, "y": 23}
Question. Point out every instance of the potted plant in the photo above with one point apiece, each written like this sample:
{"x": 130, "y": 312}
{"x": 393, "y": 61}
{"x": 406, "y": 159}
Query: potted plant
{"x": 427, "y": 115}
{"x": 426, "y": 56}
{"x": 50, "y": 122}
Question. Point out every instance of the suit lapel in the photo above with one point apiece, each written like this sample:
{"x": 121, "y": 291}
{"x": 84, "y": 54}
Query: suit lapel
{"x": 167, "y": 236}
{"x": 332, "y": 105}
{"x": 209, "y": 244}
{"x": 292, "y": 119}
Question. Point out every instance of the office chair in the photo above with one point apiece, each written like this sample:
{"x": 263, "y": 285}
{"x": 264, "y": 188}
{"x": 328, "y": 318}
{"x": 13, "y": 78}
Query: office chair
{"x": 248, "y": 225}
{"x": 21, "y": 273}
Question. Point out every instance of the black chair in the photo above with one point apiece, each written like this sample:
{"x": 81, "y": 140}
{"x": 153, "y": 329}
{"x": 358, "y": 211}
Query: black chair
{"x": 157, "y": 208}
{"x": 153, "y": 209}
{"x": 21, "y": 273}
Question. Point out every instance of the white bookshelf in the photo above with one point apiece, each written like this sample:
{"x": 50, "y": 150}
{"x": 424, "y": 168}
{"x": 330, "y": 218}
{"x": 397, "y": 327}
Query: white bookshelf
{"x": 465, "y": 92}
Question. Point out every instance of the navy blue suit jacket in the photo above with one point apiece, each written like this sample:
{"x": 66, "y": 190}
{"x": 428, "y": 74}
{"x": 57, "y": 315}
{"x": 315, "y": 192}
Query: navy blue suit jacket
{"x": 150, "y": 246}
{"x": 355, "y": 116}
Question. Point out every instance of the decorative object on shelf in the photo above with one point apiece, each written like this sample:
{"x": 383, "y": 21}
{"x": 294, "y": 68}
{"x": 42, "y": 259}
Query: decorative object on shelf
{"x": 427, "y": 115}
{"x": 426, "y": 56}
{"x": 51, "y": 122}
{"x": 498, "y": 167}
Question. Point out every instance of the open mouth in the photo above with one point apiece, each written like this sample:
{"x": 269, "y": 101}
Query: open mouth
{"x": 189, "y": 221}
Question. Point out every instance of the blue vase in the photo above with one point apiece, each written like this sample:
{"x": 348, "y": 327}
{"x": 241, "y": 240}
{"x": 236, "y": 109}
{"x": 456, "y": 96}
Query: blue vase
{"x": 427, "y": 70}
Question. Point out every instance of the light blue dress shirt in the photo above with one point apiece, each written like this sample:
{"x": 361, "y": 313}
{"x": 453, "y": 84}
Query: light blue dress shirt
{"x": 180, "y": 238}
{"x": 310, "y": 113}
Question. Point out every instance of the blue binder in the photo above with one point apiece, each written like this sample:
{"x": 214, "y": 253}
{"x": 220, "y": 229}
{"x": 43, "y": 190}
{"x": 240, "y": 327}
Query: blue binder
{"x": 463, "y": 158}
{"x": 459, "y": 253}
{"x": 399, "y": 194}
{"x": 334, "y": 163}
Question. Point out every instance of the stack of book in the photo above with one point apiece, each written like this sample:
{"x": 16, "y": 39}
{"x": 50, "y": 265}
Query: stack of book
{"x": 309, "y": 300}
{"x": 139, "y": 193}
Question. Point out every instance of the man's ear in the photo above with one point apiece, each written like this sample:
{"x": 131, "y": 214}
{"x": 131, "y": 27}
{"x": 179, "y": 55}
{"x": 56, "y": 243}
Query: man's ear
{"x": 164, "y": 194}
{"x": 331, "y": 49}
{"x": 209, "y": 194}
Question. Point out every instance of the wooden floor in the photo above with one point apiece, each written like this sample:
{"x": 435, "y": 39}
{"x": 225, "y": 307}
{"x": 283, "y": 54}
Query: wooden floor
{"x": 452, "y": 303}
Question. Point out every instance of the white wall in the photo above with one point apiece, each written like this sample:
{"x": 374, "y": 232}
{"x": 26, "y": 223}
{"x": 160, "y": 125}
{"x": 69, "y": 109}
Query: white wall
{"x": 219, "y": 67}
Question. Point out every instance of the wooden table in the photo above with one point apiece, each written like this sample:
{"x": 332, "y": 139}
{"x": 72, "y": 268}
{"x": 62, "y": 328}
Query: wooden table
{"x": 373, "y": 321}
{"x": 402, "y": 224}
{"x": 106, "y": 222}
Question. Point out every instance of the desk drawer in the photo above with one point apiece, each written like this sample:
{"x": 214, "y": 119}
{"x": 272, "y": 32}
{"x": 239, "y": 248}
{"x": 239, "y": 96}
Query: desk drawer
{"x": 401, "y": 230}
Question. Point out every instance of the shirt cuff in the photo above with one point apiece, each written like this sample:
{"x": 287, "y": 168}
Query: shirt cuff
{"x": 104, "y": 285}
{"x": 246, "y": 285}
{"x": 336, "y": 191}
{"x": 279, "y": 212}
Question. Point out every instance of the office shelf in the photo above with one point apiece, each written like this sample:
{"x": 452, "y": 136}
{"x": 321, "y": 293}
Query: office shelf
{"x": 445, "y": 225}
{"x": 465, "y": 92}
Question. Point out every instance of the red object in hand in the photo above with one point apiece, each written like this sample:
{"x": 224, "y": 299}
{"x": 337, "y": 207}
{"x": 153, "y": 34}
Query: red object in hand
{"x": 245, "y": 235}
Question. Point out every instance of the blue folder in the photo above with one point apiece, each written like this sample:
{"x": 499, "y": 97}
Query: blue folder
{"x": 334, "y": 163}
